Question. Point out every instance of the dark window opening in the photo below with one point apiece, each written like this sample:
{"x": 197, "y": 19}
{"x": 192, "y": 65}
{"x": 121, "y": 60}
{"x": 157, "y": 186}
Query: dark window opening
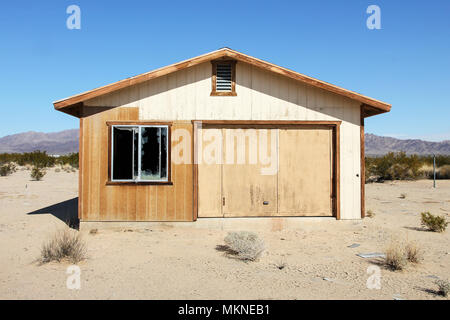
{"x": 153, "y": 153}
{"x": 123, "y": 153}
{"x": 140, "y": 153}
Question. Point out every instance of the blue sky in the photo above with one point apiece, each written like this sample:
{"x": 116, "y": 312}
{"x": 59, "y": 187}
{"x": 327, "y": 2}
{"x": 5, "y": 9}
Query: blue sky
{"x": 406, "y": 63}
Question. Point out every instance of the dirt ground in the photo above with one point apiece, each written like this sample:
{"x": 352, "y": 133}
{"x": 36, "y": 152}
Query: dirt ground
{"x": 182, "y": 262}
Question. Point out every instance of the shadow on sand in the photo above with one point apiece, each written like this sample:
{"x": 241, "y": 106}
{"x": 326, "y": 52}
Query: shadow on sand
{"x": 66, "y": 211}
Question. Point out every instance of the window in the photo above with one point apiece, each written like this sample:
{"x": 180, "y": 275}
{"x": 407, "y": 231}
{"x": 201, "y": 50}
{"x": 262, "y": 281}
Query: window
{"x": 139, "y": 153}
{"x": 223, "y": 78}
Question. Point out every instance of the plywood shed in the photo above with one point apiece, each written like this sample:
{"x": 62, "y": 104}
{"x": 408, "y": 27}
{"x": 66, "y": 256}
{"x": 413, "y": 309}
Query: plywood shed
{"x": 220, "y": 135}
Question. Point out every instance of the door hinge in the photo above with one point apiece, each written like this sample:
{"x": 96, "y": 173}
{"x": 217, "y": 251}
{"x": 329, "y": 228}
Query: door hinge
{"x": 223, "y": 201}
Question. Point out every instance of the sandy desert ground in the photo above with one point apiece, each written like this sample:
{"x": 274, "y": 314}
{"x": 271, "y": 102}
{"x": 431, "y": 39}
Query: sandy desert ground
{"x": 165, "y": 262}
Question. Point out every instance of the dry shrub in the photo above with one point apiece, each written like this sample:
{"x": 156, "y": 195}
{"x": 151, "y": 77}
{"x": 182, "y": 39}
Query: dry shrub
{"x": 395, "y": 256}
{"x": 37, "y": 173}
{"x": 443, "y": 287}
{"x": 433, "y": 223}
{"x": 370, "y": 214}
{"x": 398, "y": 254}
{"x": 413, "y": 252}
{"x": 65, "y": 244}
{"x": 245, "y": 245}
{"x": 426, "y": 171}
{"x": 403, "y": 196}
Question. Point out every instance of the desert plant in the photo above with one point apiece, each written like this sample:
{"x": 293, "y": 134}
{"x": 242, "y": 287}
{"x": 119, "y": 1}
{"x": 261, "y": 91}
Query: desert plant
{"x": 395, "y": 256}
{"x": 433, "y": 223}
{"x": 7, "y": 169}
{"x": 247, "y": 246}
{"x": 370, "y": 214}
{"x": 413, "y": 252}
{"x": 64, "y": 244}
{"x": 394, "y": 166}
{"x": 443, "y": 287}
{"x": 281, "y": 265}
{"x": 39, "y": 158}
{"x": 37, "y": 173}
{"x": 443, "y": 172}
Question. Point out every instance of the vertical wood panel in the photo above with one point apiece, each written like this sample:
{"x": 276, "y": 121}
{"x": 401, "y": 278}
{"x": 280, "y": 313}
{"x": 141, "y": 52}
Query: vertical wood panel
{"x": 102, "y": 202}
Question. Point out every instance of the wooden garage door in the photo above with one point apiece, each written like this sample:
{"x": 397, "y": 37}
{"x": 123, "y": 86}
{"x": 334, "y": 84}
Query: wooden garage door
{"x": 249, "y": 172}
{"x": 305, "y": 172}
{"x": 249, "y": 187}
{"x": 209, "y": 155}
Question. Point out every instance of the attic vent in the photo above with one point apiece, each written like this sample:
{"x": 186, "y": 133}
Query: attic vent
{"x": 223, "y": 78}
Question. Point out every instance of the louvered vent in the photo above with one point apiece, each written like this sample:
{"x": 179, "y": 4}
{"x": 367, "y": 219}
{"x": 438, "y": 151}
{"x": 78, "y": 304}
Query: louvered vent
{"x": 223, "y": 77}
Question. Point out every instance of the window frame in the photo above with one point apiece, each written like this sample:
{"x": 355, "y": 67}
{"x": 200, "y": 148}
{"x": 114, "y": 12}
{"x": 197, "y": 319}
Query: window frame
{"x": 214, "y": 91}
{"x": 138, "y": 180}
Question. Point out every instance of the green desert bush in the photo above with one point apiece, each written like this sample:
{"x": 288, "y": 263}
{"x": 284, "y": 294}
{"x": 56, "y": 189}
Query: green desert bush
{"x": 7, "y": 168}
{"x": 441, "y": 160}
{"x": 433, "y": 223}
{"x": 40, "y": 159}
{"x": 400, "y": 166}
{"x": 68, "y": 159}
{"x": 245, "y": 245}
{"x": 65, "y": 244}
{"x": 443, "y": 172}
{"x": 37, "y": 173}
{"x": 394, "y": 166}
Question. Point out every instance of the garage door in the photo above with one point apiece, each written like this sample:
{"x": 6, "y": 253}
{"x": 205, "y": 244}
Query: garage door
{"x": 264, "y": 171}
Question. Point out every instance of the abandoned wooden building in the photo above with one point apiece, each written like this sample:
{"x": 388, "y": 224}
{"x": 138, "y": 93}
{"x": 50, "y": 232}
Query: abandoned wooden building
{"x": 220, "y": 135}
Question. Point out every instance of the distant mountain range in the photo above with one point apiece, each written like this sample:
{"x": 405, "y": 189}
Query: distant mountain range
{"x": 62, "y": 142}
{"x": 66, "y": 141}
{"x": 377, "y": 145}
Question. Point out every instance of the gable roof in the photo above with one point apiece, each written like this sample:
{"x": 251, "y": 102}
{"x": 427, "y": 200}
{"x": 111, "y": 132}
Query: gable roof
{"x": 371, "y": 106}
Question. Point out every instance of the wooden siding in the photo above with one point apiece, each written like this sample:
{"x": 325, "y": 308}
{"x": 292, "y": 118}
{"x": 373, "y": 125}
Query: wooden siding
{"x": 261, "y": 95}
{"x": 102, "y": 202}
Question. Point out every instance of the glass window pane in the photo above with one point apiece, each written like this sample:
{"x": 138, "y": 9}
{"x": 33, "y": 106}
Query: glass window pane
{"x": 163, "y": 153}
{"x": 154, "y": 153}
{"x": 122, "y": 153}
{"x": 150, "y": 142}
{"x": 136, "y": 153}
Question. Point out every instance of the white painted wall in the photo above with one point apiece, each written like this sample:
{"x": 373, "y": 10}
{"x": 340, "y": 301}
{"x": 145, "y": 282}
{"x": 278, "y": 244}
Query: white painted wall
{"x": 261, "y": 95}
